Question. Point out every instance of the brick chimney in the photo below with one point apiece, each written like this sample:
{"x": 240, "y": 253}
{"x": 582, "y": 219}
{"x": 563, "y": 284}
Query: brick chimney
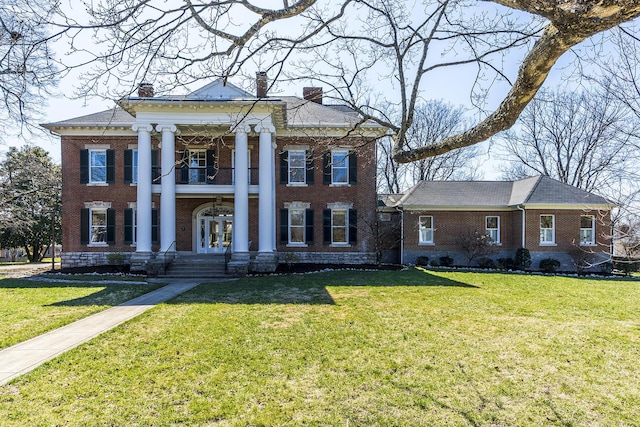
{"x": 145, "y": 90}
{"x": 261, "y": 84}
{"x": 313, "y": 94}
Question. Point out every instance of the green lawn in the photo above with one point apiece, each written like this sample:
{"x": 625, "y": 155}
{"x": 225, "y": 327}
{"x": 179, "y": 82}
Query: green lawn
{"x": 29, "y": 308}
{"x": 356, "y": 349}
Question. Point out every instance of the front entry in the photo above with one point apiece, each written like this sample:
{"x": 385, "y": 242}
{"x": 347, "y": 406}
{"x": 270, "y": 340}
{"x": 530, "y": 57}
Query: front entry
{"x": 214, "y": 231}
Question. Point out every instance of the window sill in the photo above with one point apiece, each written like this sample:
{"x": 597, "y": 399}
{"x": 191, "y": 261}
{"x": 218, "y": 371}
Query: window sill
{"x": 588, "y": 244}
{"x": 97, "y": 184}
{"x": 297, "y": 184}
{"x": 426, "y": 244}
{"x": 297, "y": 245}
{"x": 339, "y": 185}
{"x": 548, "y": 244}
{"x": 340, "y": 245}
{"x": 97, "y": 245}
{"x": 133, "y": 184}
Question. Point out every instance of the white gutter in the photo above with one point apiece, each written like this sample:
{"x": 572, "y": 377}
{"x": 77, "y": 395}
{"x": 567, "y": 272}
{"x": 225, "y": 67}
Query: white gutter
{"x": 521, "y": 208}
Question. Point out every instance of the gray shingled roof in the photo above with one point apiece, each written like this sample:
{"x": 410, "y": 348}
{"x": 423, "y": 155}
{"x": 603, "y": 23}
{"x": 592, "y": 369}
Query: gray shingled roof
{"x": 113, "y": 117}
{"x": 538, "y": 190}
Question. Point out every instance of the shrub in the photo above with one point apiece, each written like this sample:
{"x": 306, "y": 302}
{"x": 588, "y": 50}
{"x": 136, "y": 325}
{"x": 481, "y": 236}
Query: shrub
{"x": 549, "y": 265}
{"x": 435, "y": 263}
{"x": 116, "y": 258}
{"x": 522, "y": 260}
{"x": 486, "y": 263}
{"x": 422, "y": 260}
{"x": 446, "y": 261}
{"x": 506, "y": 263}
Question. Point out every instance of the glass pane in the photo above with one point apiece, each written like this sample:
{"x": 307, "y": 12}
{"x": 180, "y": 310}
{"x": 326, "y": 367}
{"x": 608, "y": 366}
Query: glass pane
{"x": 98, "y": 174}
{"x": 297, "y": 175}
{"x": 339, "y": 218}
{"x": 586, "y": 236}
{"x": 297, "y": 217}
{"x": 98, "y": 158}
{"x": 98, "y": 226}
{"x": 492, "y": 222}
{"x": 546, "y": 221}
{"x": 297, "y": 235}
{"x": 340, "y": 235}
{"x": 586, "y": 221}
{"x": 426, "y": 235}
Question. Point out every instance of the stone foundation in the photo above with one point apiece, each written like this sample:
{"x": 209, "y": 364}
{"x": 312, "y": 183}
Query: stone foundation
{"x": 327, "y": 257}
{"x": 87, "y": 259}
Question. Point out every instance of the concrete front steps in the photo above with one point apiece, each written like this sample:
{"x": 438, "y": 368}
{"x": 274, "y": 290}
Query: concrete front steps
{"x": 197, "y": 266}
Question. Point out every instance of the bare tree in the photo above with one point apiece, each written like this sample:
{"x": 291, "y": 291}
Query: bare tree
{"x": 351, "y": 42}
{"x": 580, "y": 138}
{"x": 434, "y": 121}
{"x": 27, "y": 70}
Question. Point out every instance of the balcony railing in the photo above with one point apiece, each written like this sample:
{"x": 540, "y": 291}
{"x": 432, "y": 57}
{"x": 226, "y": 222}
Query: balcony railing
{"x": 212, "y": 176}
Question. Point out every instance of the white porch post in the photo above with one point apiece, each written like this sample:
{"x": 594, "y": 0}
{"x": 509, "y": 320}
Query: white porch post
{"x": 241, "y": 192}
{"x": 266, "y": 211}
{"x": 143, "y": 203}
{"x": 168, "y": 194}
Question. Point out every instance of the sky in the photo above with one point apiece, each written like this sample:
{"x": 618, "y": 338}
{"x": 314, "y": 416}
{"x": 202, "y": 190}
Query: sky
{"x": 451, "y": 85}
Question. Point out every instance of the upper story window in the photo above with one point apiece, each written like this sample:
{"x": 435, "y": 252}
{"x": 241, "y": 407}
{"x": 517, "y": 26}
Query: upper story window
{"x": 492, "y": 227}
{"x": 425, "y": 229}
{"x": 131, "y": 167}
{"x": 297, "y": 166}
{"x": 97, "y": 166}
{"x": 199, "y": 166}
{"x": 340, "y": 167}
{"x": 587, "y": 230}
{"x": 547, "y": 230}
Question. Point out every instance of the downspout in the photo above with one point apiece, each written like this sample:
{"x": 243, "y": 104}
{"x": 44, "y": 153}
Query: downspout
{"x": 521, "y": 208}
{"x": 401, "y": 236}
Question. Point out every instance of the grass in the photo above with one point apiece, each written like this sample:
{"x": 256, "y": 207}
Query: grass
{"x": 29, "y": 308}
{"x": 358, "y": 349}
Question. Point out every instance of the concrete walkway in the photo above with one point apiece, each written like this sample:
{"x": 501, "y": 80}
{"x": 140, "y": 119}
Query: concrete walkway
{"x": 26, "y": 356}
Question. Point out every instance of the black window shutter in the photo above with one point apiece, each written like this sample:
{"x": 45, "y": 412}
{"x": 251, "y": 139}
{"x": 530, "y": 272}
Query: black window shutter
{"x": 128, "y": 226}
{"x": 326, "y": 225}
{"x": 84, "y": 226}
{"x": 309, "y": 226}
{"x": 154, "y": 225}
{"x": 326, "y": 168}
{"x": 128, "y": 166}
{"x": 211, "y": 166}
{"x": 310, "y": 167}
{"x": 155, "y": 168}
{"x": 84, "y": 166}
{"x": 184, "y": 167}
{"x": 284, "y": 167}
{"x": 111, "y": 226}
{"x": 284, "y": 225}
{"x": 353, "y": 168}
{"x": 353, "y": 226}
{"x": 111, "y": 166}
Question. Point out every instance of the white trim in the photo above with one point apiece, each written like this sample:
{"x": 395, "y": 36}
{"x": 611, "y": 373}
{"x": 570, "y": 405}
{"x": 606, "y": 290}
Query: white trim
{"x": 551, "y": 242}
{"x": 420, "y": 228}
{"x": 487, "y": 229}
{"x": 97, "y": 147}
{"x": 592, "y": 242}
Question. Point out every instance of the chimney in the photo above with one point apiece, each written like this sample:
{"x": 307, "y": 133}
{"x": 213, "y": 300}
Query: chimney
{"x": 145, "y": 90}
{"x": 261, "y": 84}
{"x": 313, "y": 94}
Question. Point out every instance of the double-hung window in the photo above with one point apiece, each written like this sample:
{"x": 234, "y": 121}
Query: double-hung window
{"x": 97, "y": 166}
{"x": 297, "y": 226}
{"x": 492, "y": 227}
{"x": 197, "y": 166}
{"x": 297, "y": 165}
{"x": 547, "y": 230}
{"x": 98, "y": 226}
{"x": 339, "y": 226}
{"x": 340, "y": 167}
{"x": 134, "y": 166}
{"x": 425, "y": 229}
{"x": 587, "y": 230}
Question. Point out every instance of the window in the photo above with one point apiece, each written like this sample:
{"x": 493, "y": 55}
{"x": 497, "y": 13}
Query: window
{"x": 492, "y": 226}
{"x": 296, "y": 225}
{"x": 197, "y": 166}
{"x": 97, "y": 224}
{"x": 131, "y": 167}
{"x": 340, "y": 167}
{"x": 97, "y": 166}
{"x": 130, "y": 226}
{"x": 340, "y": 225}
{"x": 587, "y": 230}
{"x": 297, "y": 166}
{"x": 426, "y": 229}
{"x": 547, "y": 230}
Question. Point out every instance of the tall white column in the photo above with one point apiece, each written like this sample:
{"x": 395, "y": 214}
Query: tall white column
{"x": 274, "y": 224}
{"x": 143, "y": 203}
{"x": 168, "y": 194}
{"x": 265, "y": 196}
{"x": 241, "y": 193}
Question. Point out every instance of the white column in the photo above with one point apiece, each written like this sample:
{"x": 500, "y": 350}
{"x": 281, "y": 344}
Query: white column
{"x": 274, "y": 223}
{"x": 241, "y": 193}
{"x": 168, "y": 194}
{"x": 143, "y": 203}
{"x": 266, "y": 212}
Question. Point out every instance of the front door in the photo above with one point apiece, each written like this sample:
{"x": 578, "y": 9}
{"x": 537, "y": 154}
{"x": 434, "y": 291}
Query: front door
{"x": 214, "y": 234}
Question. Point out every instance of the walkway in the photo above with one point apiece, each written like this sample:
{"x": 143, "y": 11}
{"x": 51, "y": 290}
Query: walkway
{"x": 26, "y": 356}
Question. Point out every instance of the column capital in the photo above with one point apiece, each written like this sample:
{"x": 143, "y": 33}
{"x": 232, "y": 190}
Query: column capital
{"x": 166, "y": 127}
{"x": 265, "y": 127}
{"x": 145, "y": 127}
{"x": 241, "y": 128}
